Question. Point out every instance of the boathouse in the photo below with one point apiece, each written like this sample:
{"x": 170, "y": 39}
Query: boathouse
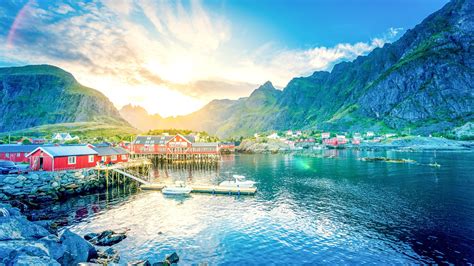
{"x": 16, "y": 152}
{"x": 58, "y": 158}
{"x": 109, "y": 154}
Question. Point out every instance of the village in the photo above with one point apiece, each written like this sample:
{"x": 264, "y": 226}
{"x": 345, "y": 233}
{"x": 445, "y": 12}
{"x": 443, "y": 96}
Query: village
{"x": 64, "y": 152}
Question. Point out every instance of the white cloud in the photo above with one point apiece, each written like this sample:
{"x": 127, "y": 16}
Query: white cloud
{"x": 152, "y": 53}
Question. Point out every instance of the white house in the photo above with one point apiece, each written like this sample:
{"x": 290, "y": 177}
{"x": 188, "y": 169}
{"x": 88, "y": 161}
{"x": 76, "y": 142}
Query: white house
{"x": 325, "y": 135}
{"x": 273, "y": 136}
{"x": 62, "y": 137}
{"x": 370, "y": 134}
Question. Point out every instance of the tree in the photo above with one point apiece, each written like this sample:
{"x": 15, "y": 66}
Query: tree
{"x": 26, "y": 141}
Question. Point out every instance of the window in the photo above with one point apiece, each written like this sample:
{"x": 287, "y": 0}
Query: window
{"x": 91, "y": 158}
{"x": 114, "y": 157}
{"x": 124, "y": 157}
{"x": 7, "y": 155}
{"x": 71, "y": 160}
{"x": 18, "y": 154}
{"x": 104, "y": 158}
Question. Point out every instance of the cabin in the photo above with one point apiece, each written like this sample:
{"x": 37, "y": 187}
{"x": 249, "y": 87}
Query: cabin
{"x": 58, "y": 158}
{"x": 111, "y": 155}
{"x": 16, "y": 152}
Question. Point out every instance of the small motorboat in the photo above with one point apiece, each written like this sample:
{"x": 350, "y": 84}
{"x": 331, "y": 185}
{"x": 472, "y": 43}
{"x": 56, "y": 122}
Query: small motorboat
{"x": 178, "y": 189}
{"x": 239, "y": 181}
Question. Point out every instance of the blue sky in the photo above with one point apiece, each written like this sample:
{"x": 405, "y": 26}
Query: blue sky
{"x": 172, "y": 57}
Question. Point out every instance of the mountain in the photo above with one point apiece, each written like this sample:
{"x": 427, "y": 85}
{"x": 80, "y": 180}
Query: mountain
{"x": 220, "y": 117}
{"x": 423, "y": 83}
{"x": 139, "y": 117}
{"x": 38, "y": 95}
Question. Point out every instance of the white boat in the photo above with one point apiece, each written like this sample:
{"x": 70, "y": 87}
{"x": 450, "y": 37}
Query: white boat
{"x": 239, "y": 181}
{"x": 178, "y": 189}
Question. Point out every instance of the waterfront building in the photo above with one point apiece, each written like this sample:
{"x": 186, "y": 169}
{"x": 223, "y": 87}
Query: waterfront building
{"x": 110, "y": 154}
{"x": 178, "y": 144}
{"x": 16, "y": 152}
{"x": 57, "y": 158}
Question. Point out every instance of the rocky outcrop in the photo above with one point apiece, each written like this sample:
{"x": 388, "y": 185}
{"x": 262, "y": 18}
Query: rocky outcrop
{"x": 262, "y": 146}
{"x": 42, "y": 187}
{"x": 25, "y": 243}
{"x": 39, "y": 95}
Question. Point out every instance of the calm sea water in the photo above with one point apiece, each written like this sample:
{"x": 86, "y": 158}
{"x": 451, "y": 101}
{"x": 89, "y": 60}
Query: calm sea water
{"x": 308, "y": 210}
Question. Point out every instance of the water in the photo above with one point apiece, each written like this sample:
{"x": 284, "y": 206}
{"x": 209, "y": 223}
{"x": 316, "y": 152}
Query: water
{"x": 307, "y": 210}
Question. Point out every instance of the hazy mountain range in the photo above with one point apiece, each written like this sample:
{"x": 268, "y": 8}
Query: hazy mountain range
{"x": 424, "y": 82}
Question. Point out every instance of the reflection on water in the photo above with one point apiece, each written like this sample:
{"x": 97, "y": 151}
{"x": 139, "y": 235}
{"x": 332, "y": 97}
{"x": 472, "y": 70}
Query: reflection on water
{"x": 326, "y": 210}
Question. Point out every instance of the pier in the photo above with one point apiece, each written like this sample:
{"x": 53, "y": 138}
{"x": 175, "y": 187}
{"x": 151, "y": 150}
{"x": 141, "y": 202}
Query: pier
{"x": 140, "y": 171}
{"x": 210, "y": 189}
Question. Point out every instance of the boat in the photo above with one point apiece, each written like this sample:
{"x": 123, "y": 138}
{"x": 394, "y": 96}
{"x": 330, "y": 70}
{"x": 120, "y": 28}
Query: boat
{"x": 239, "y": 181}
{"x": 178, "y": 189}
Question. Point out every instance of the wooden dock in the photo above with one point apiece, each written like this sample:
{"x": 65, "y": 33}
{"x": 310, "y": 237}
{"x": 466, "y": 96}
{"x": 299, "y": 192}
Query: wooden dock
{"x": 207, "y": 189}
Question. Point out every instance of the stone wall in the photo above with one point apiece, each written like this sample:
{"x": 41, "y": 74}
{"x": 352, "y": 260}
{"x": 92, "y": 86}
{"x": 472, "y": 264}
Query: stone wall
{"x": 40, "y": 187}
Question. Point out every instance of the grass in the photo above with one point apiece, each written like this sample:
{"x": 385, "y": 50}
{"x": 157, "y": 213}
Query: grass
{"x": 81, "y": 129}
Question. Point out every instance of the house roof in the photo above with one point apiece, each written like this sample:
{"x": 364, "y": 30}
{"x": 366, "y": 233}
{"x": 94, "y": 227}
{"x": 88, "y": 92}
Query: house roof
{"x": 17, "y": 148}
{"x": 152, "y": 140}
{"x": 61, "y": 151}
{"x": 205, "y": 144}
{"x": 160, "y": 139}
{"x": 104, "y": 151}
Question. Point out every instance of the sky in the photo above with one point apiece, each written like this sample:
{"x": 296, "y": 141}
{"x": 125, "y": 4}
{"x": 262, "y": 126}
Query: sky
{"x": 173, "y": 57}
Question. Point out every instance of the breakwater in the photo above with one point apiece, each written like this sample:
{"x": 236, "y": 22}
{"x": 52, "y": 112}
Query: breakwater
{"x": 37, "y": 188}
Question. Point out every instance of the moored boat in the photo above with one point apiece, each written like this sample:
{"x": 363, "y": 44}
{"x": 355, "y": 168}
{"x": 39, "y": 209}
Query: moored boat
{"x": 178, "y": 189}
{"x": 239, "y": 181}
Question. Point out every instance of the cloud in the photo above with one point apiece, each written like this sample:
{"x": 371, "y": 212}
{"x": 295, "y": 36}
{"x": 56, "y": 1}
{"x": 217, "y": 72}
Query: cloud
{"x": 159, "y": 49}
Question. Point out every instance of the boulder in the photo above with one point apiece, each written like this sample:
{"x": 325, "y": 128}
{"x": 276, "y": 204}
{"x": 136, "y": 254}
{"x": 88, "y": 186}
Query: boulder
{"x": 76, "y": 248}
{"x": 13, "y": 228}
{"x": 11, "y": 180}
{"x": 8, "y": 249}
{"x": 139, "y": 263}
{"x": 91, "y": 236}
{"x": 173, "y": 258}
{"x": 106, "y": 238}
{"x": 53, "y": 245}
{"x": 22, "y": 259}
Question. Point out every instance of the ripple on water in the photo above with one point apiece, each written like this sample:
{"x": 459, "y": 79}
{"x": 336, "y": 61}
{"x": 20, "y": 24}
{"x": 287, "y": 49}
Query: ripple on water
{"x": 317, "y": 211}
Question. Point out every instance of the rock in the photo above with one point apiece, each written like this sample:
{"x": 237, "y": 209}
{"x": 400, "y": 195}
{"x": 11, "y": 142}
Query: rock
{"x": 9, "y": 249}
{"x": 55, "y": 184}
{"x": 72, "y": 186}
{"x": 106, "y": 238}
{"x": 55, "y": 248}
{"x": 48, "y": 225}
{"x": 11, "y": 180}
{"x": 12, "y": 228}
{"x": 26, "y": 260}
{"x": 77, "y": 249}
{"x": 139, "y": 263}
{"x": 173, "y": 258}
{"x": 91, "y": 236}
{"x": 21, "y": 178}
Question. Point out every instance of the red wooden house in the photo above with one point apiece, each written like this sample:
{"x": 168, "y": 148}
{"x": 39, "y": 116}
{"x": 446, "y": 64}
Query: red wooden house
{"x": 177, "y": 144}
{"x": 109, "y": 154}
{"x": 57, "y": 158}
{"x": 16, "y": 152}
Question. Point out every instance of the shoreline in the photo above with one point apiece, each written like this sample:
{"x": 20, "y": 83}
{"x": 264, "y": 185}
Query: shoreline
{"x": 406, "y": 144}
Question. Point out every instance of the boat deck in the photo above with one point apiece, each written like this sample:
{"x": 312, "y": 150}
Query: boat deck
{"x": 207, "y": 189}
